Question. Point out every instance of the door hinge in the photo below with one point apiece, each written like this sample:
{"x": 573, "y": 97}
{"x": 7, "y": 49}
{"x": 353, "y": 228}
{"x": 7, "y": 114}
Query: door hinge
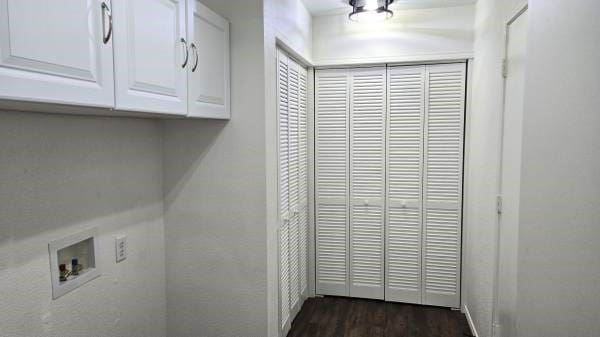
{"x": 504, "y": 68}
{"x": 499, "y": 204}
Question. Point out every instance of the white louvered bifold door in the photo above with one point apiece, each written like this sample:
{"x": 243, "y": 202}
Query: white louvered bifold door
{"x": 367, "y": 181}
{"x": 293, "y": 189}
{"x": 284, "y": 195}
{"x": 406, "y": 111}
{"x": 331, "y": 190}
{"x": 444, "y": 125}
{"x": 303, "y": 179}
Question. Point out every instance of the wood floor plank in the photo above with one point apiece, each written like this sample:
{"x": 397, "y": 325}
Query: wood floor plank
{"x": 350, "y": 317}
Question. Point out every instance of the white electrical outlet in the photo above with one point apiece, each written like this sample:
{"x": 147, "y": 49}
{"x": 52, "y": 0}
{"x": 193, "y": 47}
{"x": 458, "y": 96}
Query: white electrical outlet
{"x": 121, "y": 248}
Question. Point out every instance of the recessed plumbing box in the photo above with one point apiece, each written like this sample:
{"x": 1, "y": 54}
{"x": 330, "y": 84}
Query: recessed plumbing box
{"x": 73, "y": 261}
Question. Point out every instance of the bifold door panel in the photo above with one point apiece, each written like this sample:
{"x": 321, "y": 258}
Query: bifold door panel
{"x": 332, "y": 167}
{"x": 293, "y": 192}
{"x": 367, "y": 181}
{"x": 442, "y": 186}
{"x": 406, "y": 114}
{"x": 389, "y": 171}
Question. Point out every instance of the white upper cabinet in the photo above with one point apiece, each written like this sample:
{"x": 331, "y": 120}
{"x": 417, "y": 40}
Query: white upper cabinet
{"x": 57, "y": 52}
{"x": 151, "y": 56}
{"x": 208, "y": 79}
{"x": 171, "y": 57}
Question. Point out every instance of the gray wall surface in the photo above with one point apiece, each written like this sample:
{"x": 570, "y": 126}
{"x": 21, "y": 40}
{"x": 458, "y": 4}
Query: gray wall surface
{"x": 559, "y": 238}
{"x": 215, "y": 200}
{"x": 60, "y": 175}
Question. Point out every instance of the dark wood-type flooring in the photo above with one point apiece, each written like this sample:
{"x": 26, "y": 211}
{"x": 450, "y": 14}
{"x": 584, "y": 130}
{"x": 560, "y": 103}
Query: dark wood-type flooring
{"x": 351, "y": 317}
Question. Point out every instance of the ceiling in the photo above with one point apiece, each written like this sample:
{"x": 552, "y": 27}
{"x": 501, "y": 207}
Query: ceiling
{"x": 320, "y": 7}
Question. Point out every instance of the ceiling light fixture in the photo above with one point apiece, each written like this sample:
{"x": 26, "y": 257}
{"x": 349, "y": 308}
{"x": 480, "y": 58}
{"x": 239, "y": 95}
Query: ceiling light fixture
{"x": 370, "y": 10}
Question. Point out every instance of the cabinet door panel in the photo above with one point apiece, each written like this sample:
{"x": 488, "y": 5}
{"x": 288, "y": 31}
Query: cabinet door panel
{"x": 53, "y": 51}
{"x": 149, "y": 55}
{"x": 209, "y": 62}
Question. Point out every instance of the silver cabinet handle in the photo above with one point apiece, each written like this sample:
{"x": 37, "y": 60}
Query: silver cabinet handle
{"x": 106, "y": 12}
{"x": 195, "y": 50}
{"x": 185, "y": 61}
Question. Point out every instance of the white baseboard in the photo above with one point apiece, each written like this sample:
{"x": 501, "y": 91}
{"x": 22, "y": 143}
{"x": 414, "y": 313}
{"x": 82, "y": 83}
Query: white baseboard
{"x": 470, "y": 321}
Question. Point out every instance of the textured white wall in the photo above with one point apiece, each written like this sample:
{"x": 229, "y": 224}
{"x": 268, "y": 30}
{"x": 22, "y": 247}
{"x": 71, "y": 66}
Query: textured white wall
{"x": 481, "y": 221}
{"x": 559, "y": 250}
{"x": 482, "y": 177}
{"x": 58, "y": 176}
{"x": 289, "y": 22}
{"x": 558, "y": 272}
{"x": 411, "y": 35}
{"x": 215, "y": 190}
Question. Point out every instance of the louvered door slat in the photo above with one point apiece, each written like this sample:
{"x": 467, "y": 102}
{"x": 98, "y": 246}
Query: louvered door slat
{"x": 283, "y": 115}
{"x": 445, "y": 90}
{"x": 367, "y": 166}
{"x": 331, "y": 164}
{"x": 406, "y": 110}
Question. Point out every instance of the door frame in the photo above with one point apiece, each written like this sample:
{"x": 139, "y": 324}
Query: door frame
{"x": 520, "y": 9}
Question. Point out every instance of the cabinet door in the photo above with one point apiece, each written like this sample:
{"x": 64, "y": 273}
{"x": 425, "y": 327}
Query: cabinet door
{"x": 442, "y": 184}
{"x": 209, "y": 63}
{"x": 150, "y": 56}
{"x": 53, "y": 51}
{"x": 367, "y": 181}
{"x": 331, "y": 178}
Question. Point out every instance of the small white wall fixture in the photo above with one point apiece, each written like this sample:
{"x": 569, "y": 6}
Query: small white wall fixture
{"x": 82, "y": 246}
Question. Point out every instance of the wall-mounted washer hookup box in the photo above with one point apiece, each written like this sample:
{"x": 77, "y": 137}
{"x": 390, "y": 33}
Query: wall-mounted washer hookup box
{"x": 73, "y": 261}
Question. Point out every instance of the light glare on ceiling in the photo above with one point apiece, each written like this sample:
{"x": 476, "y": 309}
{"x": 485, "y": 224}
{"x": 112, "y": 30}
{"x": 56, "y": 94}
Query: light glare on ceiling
{"x": 371, "y": 5}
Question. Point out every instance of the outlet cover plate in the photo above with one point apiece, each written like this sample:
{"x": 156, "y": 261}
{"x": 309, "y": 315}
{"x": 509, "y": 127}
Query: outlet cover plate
{"x": 121, "y": 248}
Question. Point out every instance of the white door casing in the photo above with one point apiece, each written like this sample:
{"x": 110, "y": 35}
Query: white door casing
{"x": 510, "y": 180}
